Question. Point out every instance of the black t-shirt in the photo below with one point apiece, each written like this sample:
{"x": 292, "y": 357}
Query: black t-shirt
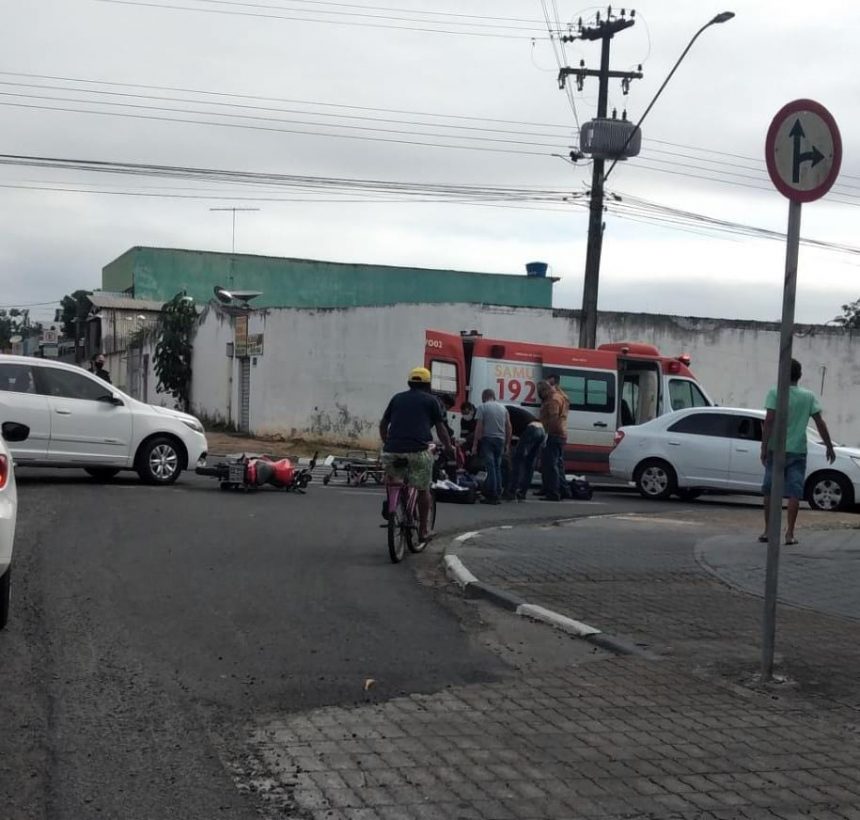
{"x": 411, "y": 416}
{"x": 520, "y": 419}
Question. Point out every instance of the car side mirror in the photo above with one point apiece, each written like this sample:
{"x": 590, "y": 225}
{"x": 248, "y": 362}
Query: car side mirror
{"x": 110, "y": 398}
{"x": 14, "y": 432}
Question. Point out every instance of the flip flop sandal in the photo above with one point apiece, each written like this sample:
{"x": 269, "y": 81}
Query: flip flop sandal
{"x": 763, "y": 539}
{"x": 791, "y": 541}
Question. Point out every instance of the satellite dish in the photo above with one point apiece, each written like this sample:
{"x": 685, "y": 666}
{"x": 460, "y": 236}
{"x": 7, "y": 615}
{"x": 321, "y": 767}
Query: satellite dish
{"x": 223, "y": 296}
{"x": 14, "y": 339}
{"x": 246, "y": 296}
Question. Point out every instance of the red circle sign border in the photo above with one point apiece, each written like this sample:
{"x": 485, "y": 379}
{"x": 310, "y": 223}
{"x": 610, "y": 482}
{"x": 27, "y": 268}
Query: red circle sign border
{"x": 770, "y": 148}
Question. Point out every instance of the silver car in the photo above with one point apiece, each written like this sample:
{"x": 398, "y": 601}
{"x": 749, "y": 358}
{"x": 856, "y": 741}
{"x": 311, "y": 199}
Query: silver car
{"x": 719, "y": 448}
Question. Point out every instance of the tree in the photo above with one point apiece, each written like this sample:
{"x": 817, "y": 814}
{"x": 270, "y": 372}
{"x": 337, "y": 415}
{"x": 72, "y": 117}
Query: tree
{"x": 850, "y": 318}
{"x": 177, "y": 324}
{"x": 74, "y": 309}
{"x": 16, "y": 322}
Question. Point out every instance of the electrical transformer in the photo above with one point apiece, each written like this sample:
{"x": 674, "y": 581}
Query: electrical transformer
{"x": 604, "y": 138}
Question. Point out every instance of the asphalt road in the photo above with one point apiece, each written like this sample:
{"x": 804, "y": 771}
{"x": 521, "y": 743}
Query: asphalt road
{"x": 150, "y": 624}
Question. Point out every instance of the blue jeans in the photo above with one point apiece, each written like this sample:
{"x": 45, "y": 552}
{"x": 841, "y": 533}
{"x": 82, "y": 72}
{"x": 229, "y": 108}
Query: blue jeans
{"x": 553, "y": 465}
{"x": 795, "y": 475}
{"x": 491, "y": 450}
{"x": 523, "y": 461}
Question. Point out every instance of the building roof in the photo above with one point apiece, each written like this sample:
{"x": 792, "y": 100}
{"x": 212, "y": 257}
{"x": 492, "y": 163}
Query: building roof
{"x": 121, "y": 301}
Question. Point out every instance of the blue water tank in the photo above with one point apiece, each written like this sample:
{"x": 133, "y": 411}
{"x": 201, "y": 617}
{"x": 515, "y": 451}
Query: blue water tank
{"x": 536, "y": 268}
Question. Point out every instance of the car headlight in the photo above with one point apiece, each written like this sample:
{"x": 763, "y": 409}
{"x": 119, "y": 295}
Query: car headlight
{"x": 195, "y": 425}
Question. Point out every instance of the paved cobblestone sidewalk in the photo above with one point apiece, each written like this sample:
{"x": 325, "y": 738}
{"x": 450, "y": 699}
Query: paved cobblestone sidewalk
{"x": 679, "y": 738}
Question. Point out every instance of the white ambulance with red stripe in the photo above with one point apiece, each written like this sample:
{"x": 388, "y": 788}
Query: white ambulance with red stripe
{"x": 616, "y": 385}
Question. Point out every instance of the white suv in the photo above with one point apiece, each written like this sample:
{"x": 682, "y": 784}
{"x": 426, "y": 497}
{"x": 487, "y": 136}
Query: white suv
{"x": 78, "y": 420}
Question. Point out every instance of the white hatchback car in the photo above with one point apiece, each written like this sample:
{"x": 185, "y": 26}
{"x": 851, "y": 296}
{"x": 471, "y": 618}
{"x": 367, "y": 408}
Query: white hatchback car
{"x": 78, "y": 420}
{"x": 718, "y": 448}
{"x": 8, "y": 513}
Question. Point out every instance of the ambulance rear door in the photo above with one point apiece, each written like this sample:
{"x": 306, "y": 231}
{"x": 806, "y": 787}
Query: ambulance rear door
{"x": 444, "y": 358}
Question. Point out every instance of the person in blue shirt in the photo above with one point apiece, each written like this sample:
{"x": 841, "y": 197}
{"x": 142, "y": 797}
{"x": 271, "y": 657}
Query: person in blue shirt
{"x": 803, "y": 405}
{"x": 406, "y": 431}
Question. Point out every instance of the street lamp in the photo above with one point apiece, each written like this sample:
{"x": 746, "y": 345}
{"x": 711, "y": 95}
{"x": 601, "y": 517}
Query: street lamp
{"x": 722, "y": 17}
{"x": 591, "y": 280}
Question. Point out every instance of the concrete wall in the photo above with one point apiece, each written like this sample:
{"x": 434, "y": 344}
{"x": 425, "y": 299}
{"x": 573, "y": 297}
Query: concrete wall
{"x": 160, "y": 273}
{"x": 329, "y": 373}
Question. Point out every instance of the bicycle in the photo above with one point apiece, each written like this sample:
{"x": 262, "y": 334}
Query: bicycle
{"x": 401, "y": 510}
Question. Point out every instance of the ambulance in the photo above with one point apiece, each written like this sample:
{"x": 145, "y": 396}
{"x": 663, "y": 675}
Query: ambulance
{"x": 618, "y": 384}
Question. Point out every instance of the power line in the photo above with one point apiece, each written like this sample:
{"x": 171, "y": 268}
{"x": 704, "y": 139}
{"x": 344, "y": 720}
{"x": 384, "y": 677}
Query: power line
{"x": 270, "y": 109}
{"x": 280, "y": 99}
{"x": 411, "y": 15}
{"x": 272, "y": 129}
{"x": 28, "y": 305}
{"x": 413, "y": 11}
{"x": 532, "y": 124}
{"x": 383, "y": 191}
{"x": 259, "y": 15}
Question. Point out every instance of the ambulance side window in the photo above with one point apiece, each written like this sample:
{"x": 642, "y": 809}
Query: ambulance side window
{"x": 589, "y": 391}
{"x": 443, "y": 377}
{"x": 684, "y": 393}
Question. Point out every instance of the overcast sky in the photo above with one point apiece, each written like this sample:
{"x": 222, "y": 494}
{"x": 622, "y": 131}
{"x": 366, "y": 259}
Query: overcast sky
{"x": 399, "y": 91}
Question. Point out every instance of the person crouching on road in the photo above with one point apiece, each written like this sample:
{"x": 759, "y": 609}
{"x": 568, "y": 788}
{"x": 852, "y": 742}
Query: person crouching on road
{"x": 406, "y": 431}
{"x": 492, "y": 439}
{"x": 553, "y": 417}
{"x": 523, "y": 461}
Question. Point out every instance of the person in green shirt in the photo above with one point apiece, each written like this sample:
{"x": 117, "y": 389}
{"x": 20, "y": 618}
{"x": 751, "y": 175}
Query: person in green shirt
{"x": 803, "y": 405}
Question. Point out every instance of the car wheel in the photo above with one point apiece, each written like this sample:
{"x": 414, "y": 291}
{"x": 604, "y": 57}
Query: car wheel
{"x": 159, "y": 461}
{"x": 5, "y": 596}
{"x": 655, "y": 479}
{"x": 102, "y": 473}
{"x": 688, "y": 494}
{"x": 829, "y": 491}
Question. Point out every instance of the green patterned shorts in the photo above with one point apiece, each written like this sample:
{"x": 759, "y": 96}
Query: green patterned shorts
{"x": 418, "y": 470}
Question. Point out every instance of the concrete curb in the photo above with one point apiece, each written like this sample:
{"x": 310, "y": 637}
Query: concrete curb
{"x": 473, "y": 588}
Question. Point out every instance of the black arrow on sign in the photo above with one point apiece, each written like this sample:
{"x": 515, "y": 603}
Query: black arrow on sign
{"x": 814, "y": 156}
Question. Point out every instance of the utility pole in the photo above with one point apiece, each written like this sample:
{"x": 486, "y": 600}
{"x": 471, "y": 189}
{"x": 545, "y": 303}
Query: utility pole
{"x": 603, "y": 30}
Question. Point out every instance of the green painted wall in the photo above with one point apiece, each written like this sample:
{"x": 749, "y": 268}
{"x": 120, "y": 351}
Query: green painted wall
{"x": 118, "y": 276}
{"x": 160, "y": 273}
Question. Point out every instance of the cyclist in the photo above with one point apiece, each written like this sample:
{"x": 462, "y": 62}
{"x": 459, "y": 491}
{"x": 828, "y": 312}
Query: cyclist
{"x": 406, "y": 431}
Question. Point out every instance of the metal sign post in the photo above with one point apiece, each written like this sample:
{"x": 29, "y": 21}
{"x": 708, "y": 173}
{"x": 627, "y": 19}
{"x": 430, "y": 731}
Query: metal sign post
{"x": 803, "y": 151}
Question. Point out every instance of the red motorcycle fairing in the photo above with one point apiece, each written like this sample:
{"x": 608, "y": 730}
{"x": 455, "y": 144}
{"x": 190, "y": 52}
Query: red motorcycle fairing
{"x": 265, "y": 471}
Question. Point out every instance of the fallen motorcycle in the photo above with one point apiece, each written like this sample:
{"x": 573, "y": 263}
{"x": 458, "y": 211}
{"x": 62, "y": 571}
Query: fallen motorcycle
{"x": 247, "y": 471}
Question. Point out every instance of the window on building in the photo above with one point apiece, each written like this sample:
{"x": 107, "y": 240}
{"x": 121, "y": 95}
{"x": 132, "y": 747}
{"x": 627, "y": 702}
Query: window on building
{"x": 683, "y": 394}
{"x": 443, "y": 377}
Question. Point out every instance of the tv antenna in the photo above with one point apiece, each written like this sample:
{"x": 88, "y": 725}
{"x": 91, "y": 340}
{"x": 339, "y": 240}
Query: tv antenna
{"x": 234, "y": 211}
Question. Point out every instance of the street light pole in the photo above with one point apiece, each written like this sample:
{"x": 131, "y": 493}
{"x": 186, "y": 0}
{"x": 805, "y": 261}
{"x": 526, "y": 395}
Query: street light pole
{"x": 588, "y": 314}
{"x": 722, "y": 17}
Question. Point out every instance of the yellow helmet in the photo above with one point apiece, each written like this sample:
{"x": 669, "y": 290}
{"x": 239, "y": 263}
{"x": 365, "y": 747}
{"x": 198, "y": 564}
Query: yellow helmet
{"x": 420, "y": 375}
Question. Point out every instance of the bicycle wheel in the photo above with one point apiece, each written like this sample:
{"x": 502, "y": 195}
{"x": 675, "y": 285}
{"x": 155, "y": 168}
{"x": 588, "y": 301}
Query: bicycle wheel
{"x": 398, "y": 529}
{"x": 414, "y": 544}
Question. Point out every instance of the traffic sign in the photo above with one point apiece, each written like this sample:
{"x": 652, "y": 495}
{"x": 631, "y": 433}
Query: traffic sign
{"x": 803, "y": 150}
